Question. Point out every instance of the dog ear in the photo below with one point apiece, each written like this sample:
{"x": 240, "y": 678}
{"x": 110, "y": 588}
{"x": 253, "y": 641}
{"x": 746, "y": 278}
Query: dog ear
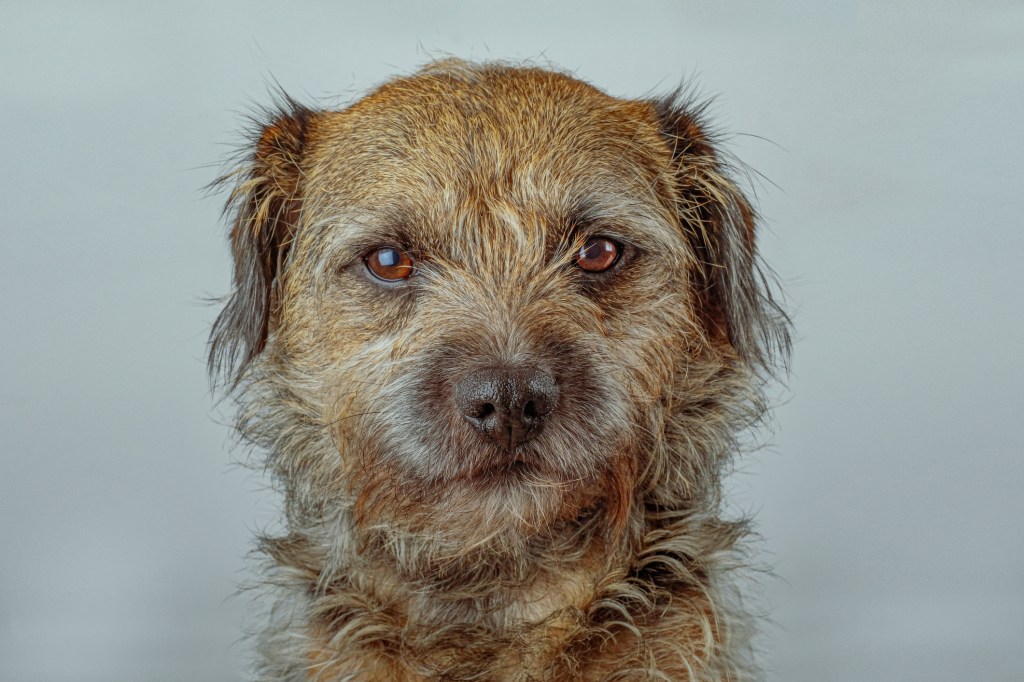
{"x": 734, "y": 288}
{"x": 263, "y": 210}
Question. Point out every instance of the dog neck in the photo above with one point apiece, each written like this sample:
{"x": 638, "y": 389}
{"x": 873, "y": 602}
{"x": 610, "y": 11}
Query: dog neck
{"x": 508, "y": 584}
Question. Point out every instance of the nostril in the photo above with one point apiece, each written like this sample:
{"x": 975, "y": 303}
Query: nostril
{"x": 484, "y": 411}
{"x": 530, "y": 410}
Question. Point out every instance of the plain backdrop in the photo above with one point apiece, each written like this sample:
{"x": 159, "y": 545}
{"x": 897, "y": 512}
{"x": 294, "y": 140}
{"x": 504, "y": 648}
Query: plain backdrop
{"x": 889, "y": 138}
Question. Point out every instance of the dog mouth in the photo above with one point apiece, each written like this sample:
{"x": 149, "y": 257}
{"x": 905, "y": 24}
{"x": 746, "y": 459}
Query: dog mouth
{"x": 507, "y": 468}
{"x": 519, "y": 470}
{"x": 499, "y": 468}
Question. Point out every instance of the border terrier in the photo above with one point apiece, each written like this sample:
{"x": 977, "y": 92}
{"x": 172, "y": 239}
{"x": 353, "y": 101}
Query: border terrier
{"x": 499, "y": 334}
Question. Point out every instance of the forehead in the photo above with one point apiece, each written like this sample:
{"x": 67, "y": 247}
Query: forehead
{"x": 502, "y": 146}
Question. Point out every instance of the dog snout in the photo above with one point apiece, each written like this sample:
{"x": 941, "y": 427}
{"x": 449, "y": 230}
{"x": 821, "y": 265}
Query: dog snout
{"x": 508, "y": 406}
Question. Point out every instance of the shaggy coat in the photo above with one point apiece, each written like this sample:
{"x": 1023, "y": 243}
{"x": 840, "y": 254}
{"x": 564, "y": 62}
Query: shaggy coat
{"x": 412, "y": 548}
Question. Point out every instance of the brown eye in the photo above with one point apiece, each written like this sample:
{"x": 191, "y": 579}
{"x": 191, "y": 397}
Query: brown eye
{"x": 598, "y": 254}
{"x": 388, "y": 264}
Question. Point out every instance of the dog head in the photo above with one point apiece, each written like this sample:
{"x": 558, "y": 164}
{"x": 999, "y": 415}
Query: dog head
{"x": 487, "y": 300}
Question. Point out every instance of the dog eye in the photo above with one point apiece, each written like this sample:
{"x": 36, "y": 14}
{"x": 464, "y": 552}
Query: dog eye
{"x": 389, "y": 264}
{"x": 598, "y": 254}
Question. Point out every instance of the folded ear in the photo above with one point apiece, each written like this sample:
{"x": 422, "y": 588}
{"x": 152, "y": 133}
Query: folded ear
{"x": 263, "y": 210}
{"x": 734, "y": 288}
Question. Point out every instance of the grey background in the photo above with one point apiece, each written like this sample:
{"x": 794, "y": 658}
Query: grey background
{"x": 889, "y": 498}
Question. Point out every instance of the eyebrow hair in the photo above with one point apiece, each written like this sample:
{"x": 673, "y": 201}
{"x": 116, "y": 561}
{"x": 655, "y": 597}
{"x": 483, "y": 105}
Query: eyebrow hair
{"x": 619, "y": 215}
{"x": 345, "y": 234}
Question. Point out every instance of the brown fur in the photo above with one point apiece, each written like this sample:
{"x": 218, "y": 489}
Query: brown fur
{"x": 411, "y": 551}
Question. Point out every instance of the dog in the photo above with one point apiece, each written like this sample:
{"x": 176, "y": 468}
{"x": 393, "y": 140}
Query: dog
{"x": 498, "y": 334}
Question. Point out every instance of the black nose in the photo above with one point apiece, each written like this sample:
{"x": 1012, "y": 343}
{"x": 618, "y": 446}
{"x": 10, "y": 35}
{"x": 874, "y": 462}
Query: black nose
{"x": 508, "y": 406}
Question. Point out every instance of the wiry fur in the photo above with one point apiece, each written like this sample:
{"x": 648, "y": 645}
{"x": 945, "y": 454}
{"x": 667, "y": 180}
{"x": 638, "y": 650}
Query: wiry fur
{"x": 409, "y": 555}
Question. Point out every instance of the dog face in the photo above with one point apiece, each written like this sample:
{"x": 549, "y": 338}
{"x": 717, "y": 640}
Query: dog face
{"x": 486, "y": 302}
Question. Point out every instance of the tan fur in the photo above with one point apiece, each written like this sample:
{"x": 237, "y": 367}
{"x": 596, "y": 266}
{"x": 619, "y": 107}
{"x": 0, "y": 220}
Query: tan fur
{"x": 408, "y": 555}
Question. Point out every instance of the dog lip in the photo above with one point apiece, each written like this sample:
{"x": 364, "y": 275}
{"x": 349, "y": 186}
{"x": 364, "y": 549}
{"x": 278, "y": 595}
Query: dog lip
{"x": 499, "y": 464}
{"x": 516, "y": 470}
